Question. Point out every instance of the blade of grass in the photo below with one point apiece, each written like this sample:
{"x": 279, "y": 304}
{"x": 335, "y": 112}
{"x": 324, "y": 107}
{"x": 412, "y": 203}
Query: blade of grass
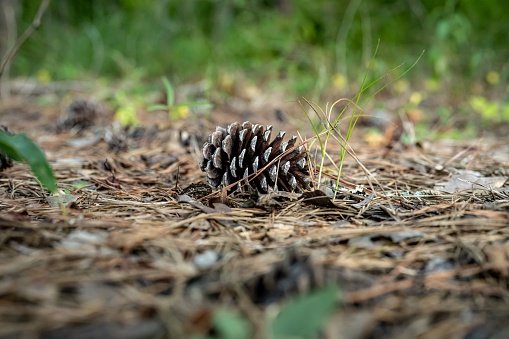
{"x": 170, "y": 92}
{"x": 355, "y": 116}
{"x": 332, "y": 127}
{"x": 322, "y": 144}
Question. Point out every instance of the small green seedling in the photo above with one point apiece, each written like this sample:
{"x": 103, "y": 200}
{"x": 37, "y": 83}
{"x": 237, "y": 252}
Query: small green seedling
{"x": 126, "y": 113}
{"x": 176, "y": 111}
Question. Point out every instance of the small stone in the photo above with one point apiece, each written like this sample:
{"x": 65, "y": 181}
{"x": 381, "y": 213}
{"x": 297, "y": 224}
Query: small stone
{"x": 206, "y": 259}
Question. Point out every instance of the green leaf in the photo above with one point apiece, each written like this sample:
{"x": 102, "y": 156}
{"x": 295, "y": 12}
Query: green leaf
{"x": 170, "y": 93}
{"x": 19, "y": 147}
{"x": 230, "y": 325}
{"x": 304, "y": 316}
{"x": 126, "y": 115}
{"x": 157, "y": 107}
{"x": 203, "y": 104}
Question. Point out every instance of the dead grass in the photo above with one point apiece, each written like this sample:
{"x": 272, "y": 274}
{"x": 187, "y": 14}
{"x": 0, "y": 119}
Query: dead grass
{"x": 141, "y": 253}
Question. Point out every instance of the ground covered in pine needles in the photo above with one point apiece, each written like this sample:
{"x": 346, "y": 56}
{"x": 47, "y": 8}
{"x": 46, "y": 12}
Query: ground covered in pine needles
{"x": 145, "y": 249}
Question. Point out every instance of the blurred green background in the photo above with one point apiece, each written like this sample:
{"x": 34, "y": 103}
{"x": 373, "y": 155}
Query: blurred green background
{"x": 320, "y": 49}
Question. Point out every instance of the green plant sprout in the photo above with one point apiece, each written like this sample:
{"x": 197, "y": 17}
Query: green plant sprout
{"x": 231, "y": 325}
{"x": 176, "y": 111}
{"x": 79, "y": 184}
{"x": 305, "y": 316}
{"x": 302, "y": 317}
{"x": 126, "y": 115}
{"x": 329, "y": 128}
{"x": 19, "y": 147}
{"x": 490, "y": 110}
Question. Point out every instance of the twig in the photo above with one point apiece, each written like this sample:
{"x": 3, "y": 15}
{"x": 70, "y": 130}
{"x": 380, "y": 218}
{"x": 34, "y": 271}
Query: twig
{"x": 26, "y": 34}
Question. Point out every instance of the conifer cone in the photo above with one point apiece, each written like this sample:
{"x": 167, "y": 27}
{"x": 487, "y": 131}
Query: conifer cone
{"x": 240, "y": 150}
{"x": 81, "y": 114}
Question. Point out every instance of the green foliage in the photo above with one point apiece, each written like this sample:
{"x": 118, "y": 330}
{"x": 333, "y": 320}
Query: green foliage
{"x": 127, "y": 102}
{"x": 126, "y": 114}
{"x": 489, "y": 110}
{"x": 79, "y": 184}
{"x": 293, "y": 43}
{"x": 305, "y": 316}
{"x": 329, "y": 126}
{"x": 21, "y": 148}
{"x": 230, "y": 325}
{"x": 317, "y": 49}
{"x": 176, "y": 111}
{"x": 301, "y": 317}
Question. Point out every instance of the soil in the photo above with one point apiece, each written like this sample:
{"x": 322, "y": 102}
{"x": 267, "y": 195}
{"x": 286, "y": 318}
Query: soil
{"x": 417, "y": 237}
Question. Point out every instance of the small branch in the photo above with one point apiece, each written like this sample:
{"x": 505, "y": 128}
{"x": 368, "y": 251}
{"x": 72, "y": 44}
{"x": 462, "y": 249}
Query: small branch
{"x": 26, "y": 34}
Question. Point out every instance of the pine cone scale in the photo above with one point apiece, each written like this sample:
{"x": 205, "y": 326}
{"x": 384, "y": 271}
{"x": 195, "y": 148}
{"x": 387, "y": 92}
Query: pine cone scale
{"x": 266, "y": 155}
{"x": 241, "y": 158}
{"x": 217, "y": 160}
{"x": 227, "y": 145}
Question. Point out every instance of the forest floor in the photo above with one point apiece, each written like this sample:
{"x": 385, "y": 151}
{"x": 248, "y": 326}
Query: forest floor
{"x": 146, "y": 249}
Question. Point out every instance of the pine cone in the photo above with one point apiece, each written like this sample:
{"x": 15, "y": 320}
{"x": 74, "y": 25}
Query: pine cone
{"x": 81, "y": 114}
{"x": 240, "y": 150}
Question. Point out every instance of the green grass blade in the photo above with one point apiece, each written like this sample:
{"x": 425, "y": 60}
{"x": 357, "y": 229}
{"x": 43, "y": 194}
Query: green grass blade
{"x": 315, "y": 130}
{"x": 398, "y": 77}
{"x": 305, "y": 316}
{"x": 19, "y": 147}
{"x": 158, "y": 107}
{"x": 202, "y": 104}
{"x": 322, "y": 144}
{"x": 170, "y": 92}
